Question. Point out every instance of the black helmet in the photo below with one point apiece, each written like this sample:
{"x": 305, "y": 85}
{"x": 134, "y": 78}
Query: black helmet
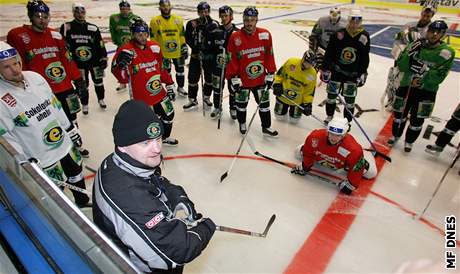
{"x": 124, "y": 4}
{"x": 226, "y": 9}
{"x": 138, "y": 25}
{"x": 438, "y": 25}
{"x": 310, "y": 57}
{"x": 251, "y": 12}
{"x": 203, "y": 6}
{"x": 164, "y": 2}
{"x": 34, "y": 6}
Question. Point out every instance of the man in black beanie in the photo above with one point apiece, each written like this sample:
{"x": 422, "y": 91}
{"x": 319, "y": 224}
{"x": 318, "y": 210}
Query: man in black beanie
{"x": 136, "y": 207}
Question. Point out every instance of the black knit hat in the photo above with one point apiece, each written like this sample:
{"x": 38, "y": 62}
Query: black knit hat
{"x": 135, "y": 122}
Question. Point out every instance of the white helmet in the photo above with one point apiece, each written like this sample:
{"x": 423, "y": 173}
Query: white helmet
{"x": 78, "y": 7}
{"x": 355, "y": 14}
{"x": 334, "y": 14}
{"x": 338, "y": 126}
{"x": 7, "y": 51}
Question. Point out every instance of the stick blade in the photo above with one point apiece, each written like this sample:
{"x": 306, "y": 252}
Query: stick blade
{"x": 223, "y": 176}
{"x": 269, "y": 224}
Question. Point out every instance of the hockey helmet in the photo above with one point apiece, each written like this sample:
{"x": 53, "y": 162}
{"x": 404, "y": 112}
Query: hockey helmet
{"x": 334, "y": 14}
{"x": 164, "y": 2}
{"x": 438, "y": 26}
{"x": 124, "y": 4}
{"x": 78, "y": 7}
{"x": 355, "y": 14}
{"x": 429, "y": 6}
{"x": 250, "y": 11}
{"x": 138, "y": 25}
{"x": 7, "y": 51}
{"x": 338, "y": 126}
{"x": 203, "y": 6}
{"x": 310, "y": 57}
{"x": 34, "y": 6}
{"x": 226, "y": 10}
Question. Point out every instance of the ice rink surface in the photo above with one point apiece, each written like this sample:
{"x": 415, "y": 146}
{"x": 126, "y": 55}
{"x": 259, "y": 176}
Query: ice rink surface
{"x": 316, "y": 230}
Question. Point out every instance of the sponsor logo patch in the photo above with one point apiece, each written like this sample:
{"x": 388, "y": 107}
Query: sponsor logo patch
{"x": 9, "y": 100}
{"x": 155, "y": 220}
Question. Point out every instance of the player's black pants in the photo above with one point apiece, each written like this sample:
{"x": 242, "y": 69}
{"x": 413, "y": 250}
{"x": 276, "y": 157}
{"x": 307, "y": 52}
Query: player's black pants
{"x": 194, "y": 73}
{"x": 419, "y": 103}
{"x": 217, "y": 82}
{"x": 97, "y": 74}
{"x": 452, "y": 126}
{"x": 179, "y": 64}
{"x": 262, "y": 97}
{"x": 164, "y": 109}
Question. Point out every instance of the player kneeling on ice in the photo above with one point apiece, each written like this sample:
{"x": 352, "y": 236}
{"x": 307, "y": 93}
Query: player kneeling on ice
{"x": 294, "y": 87}
{"x": 334, "y": 149}
{"x": 136, "y": 206}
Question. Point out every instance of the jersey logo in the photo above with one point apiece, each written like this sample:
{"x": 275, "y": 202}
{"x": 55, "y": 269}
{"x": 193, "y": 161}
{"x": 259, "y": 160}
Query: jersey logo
{"x": 83, "y": 53}
{"x": 363, "y": 39}
{"x": 9, "y": 100}
{"x": 292, "y": 68}
{"x": 254, "y": 69}
{"x": 237, "y": 42}
{"x": 56, "y": 35}
{"x": 154, "y": 85}
{"x": 53, "y": 135}
{"x": 446, "y": 54}
{"x": 291, "y": 94}
{"x": 264, "y": 36}
{"x": 360, "y": 164}
{"x": 92, "y": 28}
{"x": 25, "y": 38}
{"x": 155, "y": 220}
{"x": 171, "y": 46}
{"x": 55, "y": 71}
{"x": 314, "y": 142}
{"x": 21, "y": 120}
{"x": 342, "y": 151}
{"x": 348, "y": 55}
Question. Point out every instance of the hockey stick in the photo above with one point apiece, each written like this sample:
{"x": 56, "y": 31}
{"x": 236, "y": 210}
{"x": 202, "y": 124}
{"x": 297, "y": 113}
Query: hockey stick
{"x": 247, "y": 232}
{"x": 239, "y": 148}
{"x": 457, "y": 155}
{"x": 301, "y": 108}
{"x": 70, "y": 186}
{"x": 202, "y": 84}
{"x": 221, "y": 82}
{"x": 375, "y": 151}
{"x": 251, "y": 145}
{"x": 90, "y": 169}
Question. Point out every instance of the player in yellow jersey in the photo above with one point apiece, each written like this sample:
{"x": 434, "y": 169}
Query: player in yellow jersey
{"x": 168, "y": 30}
{"x": 294, "y": 86}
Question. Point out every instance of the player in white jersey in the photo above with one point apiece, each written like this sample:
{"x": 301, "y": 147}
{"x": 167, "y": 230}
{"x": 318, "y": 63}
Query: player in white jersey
{"x": 33, "y": 122}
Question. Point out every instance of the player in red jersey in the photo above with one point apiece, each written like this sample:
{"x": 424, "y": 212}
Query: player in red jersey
{"x": 43, "y": 50}
{"x": 334, "y": 149}
{"x": 139, "y": 63}
{"x": 251, "y": 69}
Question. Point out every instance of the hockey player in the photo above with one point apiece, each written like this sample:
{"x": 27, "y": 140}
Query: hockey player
{"x": 219, "y": 41}
{"x": 251, "y": 69}
{"x": 322, "y": 31}
{"x": 425, "y": 64}
{"x": 201, "y": 57}
{"x": 452, "y": 127}
{"x": 85, "y": 42}
{"x": 335, "y": 150}
{"x": 294, "y": 86}
{"x": 344, "y": 68}
{"x": 168, "y": 31}
{"x": 119, "y": 28}
{"x": 408, "y": 34}
{"x": 140, "y": 62}
{"x": 136, "y": 207}
{"x": 33, "y": 122}
{"x": 43, "y": 50}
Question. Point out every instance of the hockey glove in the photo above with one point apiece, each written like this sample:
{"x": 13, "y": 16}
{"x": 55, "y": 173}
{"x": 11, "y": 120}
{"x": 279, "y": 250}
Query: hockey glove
{"x": 80, "y": 86}
{"x": 269, "y": 78}
{"x": 184, "y": 51}
{"x": 325, "y": 76}
{"x": 345, "y": 187}
{"x": 236, "y": 84}
{"x": 170, "y": 92}
{"x": 188, "y": 207}
{"x": 415, "y": 47}
{"x": 298, "y": 170}
{"x": 307, "y": 108}
{"x": 361, "y": 80}
{"x": 277, "y": 89}
{"x": 125, "y": 58}
{"x": 418, "y": 67}
{"x": 103, "y": 63}
{"x": 74, "y": 135}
